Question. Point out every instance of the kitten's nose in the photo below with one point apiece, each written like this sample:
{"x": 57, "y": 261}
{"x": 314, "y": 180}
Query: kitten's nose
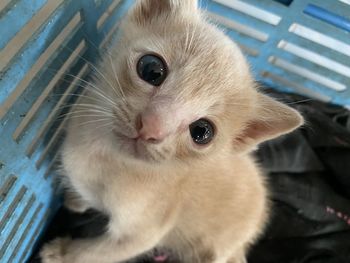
{"x": 151, "y": 128}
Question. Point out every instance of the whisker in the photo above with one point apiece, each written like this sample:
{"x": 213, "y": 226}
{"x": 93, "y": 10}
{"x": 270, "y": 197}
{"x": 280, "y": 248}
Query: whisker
{"x": 191, "y": 40}
{"x": 94, "y": 99}
{"x": 101, "y": 133}
{"x": 300, "y": 101}
{"x": 86, "y": 114}
{"x": 90, "y": 86}
{"x": 93, "y": 67}
{"x": 95, "y": 89}
{"x": 86, "y": 107}
{"x": 92, "y": 111}
{"x": 94, "y": 121}
{"x": 125, "y": 113}
{"x": 187, "y": 37}
{"x": 103, "y": 130}
{"x": 117, "y": 80}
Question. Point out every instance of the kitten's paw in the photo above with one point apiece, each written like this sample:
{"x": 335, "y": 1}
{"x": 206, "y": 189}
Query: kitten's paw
{"x": 53, "y": 252}
{"x": 75, "y": 203}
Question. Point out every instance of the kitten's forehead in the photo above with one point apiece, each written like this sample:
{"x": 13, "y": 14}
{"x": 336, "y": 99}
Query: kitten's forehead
{"x": 179, "y": 32}
{"x": 196, "y": 50}
{"x": 204, "y": 66}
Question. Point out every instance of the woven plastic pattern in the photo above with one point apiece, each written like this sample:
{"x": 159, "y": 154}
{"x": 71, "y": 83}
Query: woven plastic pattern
{"x": 296, "y": 45}
{"x": 42, "y": 43}
{"x": 299, "y": 45}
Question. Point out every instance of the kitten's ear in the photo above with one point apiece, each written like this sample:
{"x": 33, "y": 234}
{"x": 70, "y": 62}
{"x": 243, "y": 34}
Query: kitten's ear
{"x": 146, "y": 10}
{"x": 271, "y": 120}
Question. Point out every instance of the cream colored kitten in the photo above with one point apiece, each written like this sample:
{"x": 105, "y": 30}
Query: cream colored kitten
{"x": 161, "y": 143}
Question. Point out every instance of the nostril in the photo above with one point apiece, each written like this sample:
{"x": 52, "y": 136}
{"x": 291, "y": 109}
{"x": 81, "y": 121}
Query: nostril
{"x": 149, "y": 137}
{"x": 150, "y": 128}
{"x": 153, "y": 140}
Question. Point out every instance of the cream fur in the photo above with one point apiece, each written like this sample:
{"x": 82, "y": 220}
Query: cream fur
{"x": 207, "y": 204}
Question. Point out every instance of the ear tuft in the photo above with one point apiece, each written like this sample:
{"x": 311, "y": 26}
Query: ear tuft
{"x": 272, "y": 119}
{"x": 147, "y": 10}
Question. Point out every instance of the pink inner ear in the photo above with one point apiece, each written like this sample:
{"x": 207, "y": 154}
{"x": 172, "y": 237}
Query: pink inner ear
{"x": 257, "y": 130}
{"x": 271, "y": 119}
{"x": 255, "y": 133}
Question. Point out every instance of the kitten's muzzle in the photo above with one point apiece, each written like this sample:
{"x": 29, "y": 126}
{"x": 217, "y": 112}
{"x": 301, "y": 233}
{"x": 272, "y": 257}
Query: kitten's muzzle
{"x": 151, "y": 128}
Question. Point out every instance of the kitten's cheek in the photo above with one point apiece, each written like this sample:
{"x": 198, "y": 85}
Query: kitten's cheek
{"x": 182, "y": 145}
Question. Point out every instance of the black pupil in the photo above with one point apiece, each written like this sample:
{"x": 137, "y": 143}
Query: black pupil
{"x": 202, "y": 131}
{"x": 152, "y": 69}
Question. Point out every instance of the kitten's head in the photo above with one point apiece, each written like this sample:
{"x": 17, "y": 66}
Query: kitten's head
{"x": 175, "y": 87}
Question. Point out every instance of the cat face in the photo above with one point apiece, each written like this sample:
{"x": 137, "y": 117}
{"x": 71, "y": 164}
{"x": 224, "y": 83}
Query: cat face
{"x": 175, "y": 87}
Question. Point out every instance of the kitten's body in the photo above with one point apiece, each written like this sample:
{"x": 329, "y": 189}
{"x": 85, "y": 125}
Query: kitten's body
{"x": 205, "y": 203}
{"x": 204, "y": 212}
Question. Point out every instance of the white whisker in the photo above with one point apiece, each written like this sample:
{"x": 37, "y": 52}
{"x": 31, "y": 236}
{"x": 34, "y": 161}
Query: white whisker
{"x": 117, "y": 80}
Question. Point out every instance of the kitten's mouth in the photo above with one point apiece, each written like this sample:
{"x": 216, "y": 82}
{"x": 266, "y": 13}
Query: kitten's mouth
{"x": 133, "y": 145}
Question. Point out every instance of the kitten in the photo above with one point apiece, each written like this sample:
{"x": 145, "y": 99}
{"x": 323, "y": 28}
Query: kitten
{"x": 161, "y": 143}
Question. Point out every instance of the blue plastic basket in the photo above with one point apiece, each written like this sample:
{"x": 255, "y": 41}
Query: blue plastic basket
{"x": 41, "y": 43}
{"x": 301, "y": 46}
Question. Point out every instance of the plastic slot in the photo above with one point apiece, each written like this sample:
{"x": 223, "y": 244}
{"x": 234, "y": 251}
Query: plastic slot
{"x": 4, "y": 4}
{"x": 110, "y": 10}
{"x": 36, "y": 232}
{"x": 35, "y": 107}
{"x": 247, "y": 50}
{"x": 54, "y": 113}
{"x": 51, "y": 143}
{"x": 252, "y": 11}
{"x": 39, "y": 64}
{"x": 16, "y": 226}
{"x": 13, "y": 46}
{"x": 51, "y": 165}
{"x": 12, "y": 207}
{"x": 297, "y": 87}
{"x": 109, "y": 37}
{"x": 24, "y": 234}
{"x": 320, "y": 38}
{"x": 315, "y": 58}
{"x": 55, "y": 137}
{"x": 243, "y": 29}
{"x": 6, "y": 187}
{"x": 307, "y": 74}
{"x": 345, "y": 1}
{"x": 327, "y": 16}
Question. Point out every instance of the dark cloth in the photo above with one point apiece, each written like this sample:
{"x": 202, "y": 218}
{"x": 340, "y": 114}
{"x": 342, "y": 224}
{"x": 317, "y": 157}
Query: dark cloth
{"x": 309, "y": 177}
{"x": 75, "y": 225}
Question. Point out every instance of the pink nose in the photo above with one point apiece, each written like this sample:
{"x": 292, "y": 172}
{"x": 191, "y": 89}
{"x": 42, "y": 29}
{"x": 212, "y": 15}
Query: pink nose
{"x": 151, "y": 128}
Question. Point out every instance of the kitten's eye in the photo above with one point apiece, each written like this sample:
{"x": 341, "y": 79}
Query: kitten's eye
{"x": 152, "y": 69}
{"x": 202, "y": 131}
